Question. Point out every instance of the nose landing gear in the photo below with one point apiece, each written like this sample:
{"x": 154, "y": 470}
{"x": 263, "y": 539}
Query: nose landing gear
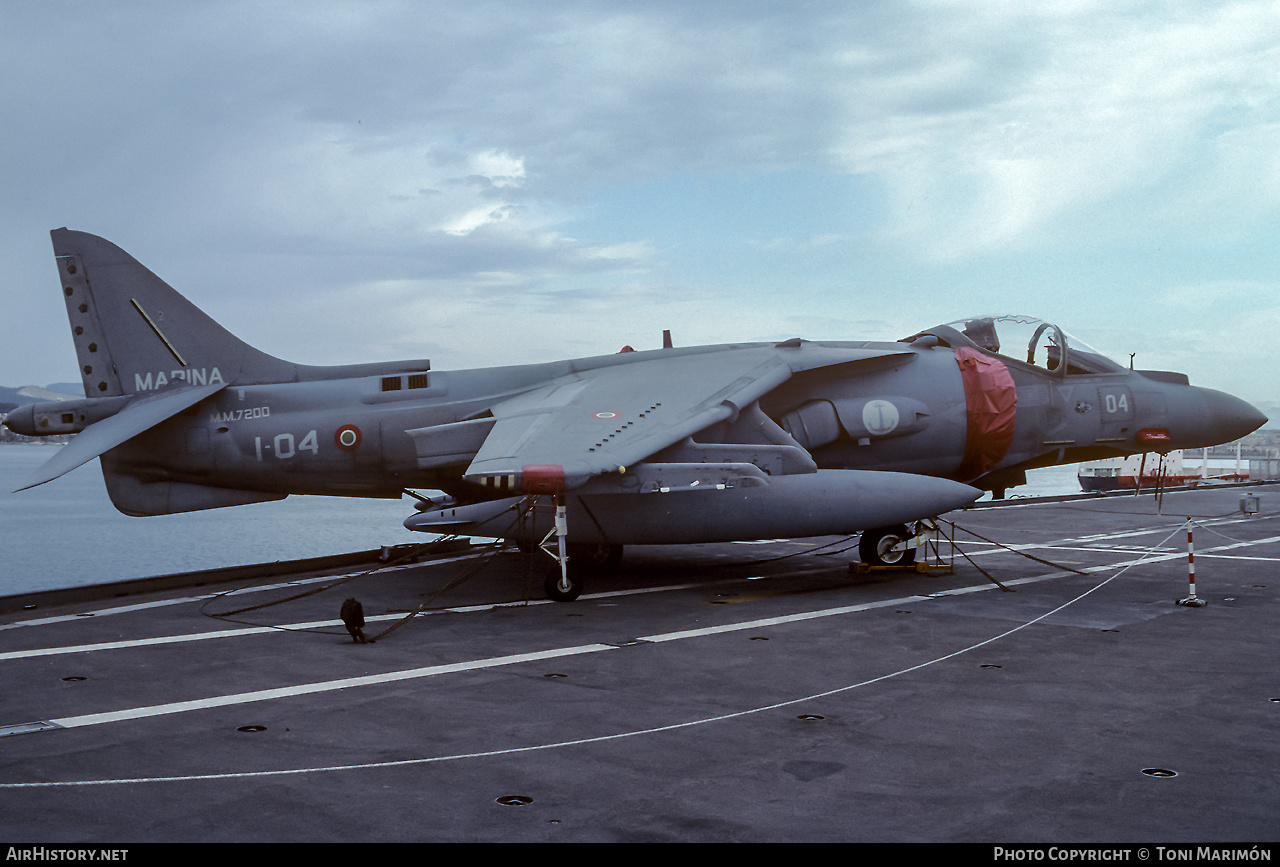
{"x": 887, "y": 546}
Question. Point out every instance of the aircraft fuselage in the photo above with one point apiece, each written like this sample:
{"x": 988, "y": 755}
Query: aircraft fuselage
{"x": 350, "y": 436}
{"x": 710, "y": 443}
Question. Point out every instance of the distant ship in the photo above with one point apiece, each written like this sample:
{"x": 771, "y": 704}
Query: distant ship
{"x": 1154, "y": 470}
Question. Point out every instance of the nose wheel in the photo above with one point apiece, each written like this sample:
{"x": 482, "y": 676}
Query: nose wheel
{"x": 887, "y": 546}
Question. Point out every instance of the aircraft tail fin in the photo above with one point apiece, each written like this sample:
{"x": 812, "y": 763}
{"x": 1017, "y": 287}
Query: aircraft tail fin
{"x": 135, "y": 334}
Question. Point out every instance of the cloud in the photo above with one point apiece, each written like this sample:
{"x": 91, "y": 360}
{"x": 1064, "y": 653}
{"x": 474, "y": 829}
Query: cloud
{"x": 982, "y": 151}
{"x": 990, "y": 125}
{"x": 745, "y": 163}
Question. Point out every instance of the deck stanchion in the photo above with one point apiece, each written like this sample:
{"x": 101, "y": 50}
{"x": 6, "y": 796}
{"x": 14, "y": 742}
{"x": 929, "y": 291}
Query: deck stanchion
{"x": 1191, "y": 600}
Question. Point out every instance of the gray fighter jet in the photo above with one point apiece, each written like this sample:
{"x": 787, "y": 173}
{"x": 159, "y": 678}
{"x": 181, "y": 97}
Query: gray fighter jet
{"x": 675, "y": 445}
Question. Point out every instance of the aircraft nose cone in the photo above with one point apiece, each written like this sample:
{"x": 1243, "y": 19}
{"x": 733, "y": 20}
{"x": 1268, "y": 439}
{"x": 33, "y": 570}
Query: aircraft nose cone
{"x": 1233, "y": 416}
{"x": 1224, "y": 418}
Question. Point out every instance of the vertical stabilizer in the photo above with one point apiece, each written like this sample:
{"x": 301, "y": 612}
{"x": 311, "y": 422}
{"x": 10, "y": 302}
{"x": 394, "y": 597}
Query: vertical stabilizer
{"x": 134, "y": 334}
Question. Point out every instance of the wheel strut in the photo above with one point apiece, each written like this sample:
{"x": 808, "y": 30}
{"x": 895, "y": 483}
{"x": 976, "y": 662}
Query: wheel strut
{"x": 560, "y": 584}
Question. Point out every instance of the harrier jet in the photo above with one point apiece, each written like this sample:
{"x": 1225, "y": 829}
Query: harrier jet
{"x": 675, "y": 445}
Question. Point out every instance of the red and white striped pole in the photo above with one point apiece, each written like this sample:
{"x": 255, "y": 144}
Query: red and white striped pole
{"x": 1192, "y": 601}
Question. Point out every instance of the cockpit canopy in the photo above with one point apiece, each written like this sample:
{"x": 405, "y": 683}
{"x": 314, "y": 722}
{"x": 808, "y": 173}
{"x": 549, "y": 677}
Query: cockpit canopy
{"x": 1027, "y": 340}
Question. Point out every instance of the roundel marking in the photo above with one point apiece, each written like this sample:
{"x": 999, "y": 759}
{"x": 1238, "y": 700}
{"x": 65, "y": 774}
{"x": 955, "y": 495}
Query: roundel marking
{"x": 347, "y": 437}
{"x": 880, "y": 417}
{"x": 605, "y": 414}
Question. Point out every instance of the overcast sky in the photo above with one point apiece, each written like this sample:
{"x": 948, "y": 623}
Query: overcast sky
{"x": 501, "y": 182}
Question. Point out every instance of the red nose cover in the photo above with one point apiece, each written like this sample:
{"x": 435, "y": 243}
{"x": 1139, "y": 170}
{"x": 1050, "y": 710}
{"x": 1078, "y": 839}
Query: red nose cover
{"x": 991, "y": 404}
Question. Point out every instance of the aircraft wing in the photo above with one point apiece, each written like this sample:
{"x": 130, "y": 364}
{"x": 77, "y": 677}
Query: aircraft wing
{"x": 139, "y": 416}
{"x": 605, "y": 419}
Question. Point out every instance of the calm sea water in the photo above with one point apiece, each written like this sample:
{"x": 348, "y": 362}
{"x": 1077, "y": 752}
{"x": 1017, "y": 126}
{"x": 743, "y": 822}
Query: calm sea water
{"x": 66, "y": 533}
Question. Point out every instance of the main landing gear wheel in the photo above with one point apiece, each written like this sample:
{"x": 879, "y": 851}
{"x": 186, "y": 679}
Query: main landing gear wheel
{"x": 886, "y": 546}
{"x": 563, "y": 585}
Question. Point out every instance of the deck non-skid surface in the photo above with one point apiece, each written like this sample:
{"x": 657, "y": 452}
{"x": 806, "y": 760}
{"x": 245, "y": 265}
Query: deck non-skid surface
{"x": 738, "y": 692}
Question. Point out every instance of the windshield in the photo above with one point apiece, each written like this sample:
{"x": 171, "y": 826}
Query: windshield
{"x": 1034, "y": 341}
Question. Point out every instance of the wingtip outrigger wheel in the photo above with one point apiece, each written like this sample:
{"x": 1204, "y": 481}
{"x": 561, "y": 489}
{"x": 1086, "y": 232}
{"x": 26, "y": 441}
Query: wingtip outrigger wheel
{"x": 561, "y": 585}
{"x": 538, "y": 480}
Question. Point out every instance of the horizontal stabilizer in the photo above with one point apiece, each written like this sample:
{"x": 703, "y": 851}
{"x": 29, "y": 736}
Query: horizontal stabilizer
{"x": 137, "y": 417}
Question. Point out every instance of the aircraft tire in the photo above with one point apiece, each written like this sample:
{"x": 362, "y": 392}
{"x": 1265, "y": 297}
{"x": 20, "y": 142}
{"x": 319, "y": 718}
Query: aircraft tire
{"x": 875, "y": 547}
{"x": 595, "y": 556}
{"x": 552, "y": 584}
